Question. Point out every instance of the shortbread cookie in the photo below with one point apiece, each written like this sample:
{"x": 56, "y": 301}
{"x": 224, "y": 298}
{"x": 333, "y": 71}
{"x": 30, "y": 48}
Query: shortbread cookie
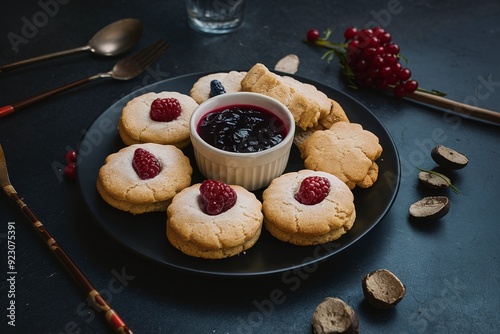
{"x": 307, "y": 224}
{"x": 136, "y": 126}
{"x": 121, "y": 187}
{"x": 345, "y": 150}
{"x": 337, "y": 114}
{"x": 226, "y": 234}
{"x": 306, "y": 103}
{"x": 311, "y": 92}
{"x": 231, "y": 81}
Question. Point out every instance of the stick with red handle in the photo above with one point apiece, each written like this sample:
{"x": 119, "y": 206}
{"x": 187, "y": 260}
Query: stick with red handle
{"x": 112, "y": 318}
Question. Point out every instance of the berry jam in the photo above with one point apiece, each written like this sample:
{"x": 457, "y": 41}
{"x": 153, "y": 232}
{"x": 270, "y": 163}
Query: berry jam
{"x": 242, "y": 129}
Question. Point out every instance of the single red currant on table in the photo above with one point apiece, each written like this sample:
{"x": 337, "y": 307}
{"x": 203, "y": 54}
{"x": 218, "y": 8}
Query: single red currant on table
{"x": 369, "y": 58}
{"x": 70, "y": 157}
{"x": 313, "y": 35}
{"x": 70, "y": 171}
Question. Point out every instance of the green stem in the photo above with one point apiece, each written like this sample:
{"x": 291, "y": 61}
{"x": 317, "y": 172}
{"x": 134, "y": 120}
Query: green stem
{"x": 329, "y": 45}
{"x": 432, "y": 91}
{"x": 455, "y": 189}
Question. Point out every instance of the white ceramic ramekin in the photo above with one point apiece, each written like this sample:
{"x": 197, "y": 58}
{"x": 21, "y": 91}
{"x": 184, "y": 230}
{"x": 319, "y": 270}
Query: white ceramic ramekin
{"x": 250, "y": 170}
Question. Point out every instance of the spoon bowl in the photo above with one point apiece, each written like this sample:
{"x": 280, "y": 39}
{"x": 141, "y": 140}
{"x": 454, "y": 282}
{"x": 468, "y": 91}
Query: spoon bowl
{"x": 112, "y": 40}
{"x": 116, "y": 37}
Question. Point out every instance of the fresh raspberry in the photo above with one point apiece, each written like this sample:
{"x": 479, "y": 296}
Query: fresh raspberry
{"x": 145, "y": 164}
{"x": 313, "y": 189}
{"x": 217, "y": 197}
{"x": 165, "y": 110}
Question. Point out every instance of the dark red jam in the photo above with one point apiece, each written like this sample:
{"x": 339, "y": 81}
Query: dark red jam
{"x": 242, "y": 129}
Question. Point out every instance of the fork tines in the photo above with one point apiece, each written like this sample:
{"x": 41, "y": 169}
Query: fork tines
{"x": 151, "y": 53}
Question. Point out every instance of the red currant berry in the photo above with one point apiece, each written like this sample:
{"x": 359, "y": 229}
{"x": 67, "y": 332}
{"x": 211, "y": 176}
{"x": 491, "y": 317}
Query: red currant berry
{"x": 353, "y": 48}
{"x": 377, "y": 61}
{"x": 385, "y": 71}
{"x": 70, "y": 157}
{"x": 373, "y": 72}
{"x": 404, "y": 74}
{"x": 411, "y": 86}
{"x": 392, "y": 80}
{"x": 312, "y": 35}
{"x": 350, "y": 33}
{"x": 392, "y": 49}
{"x": 377, "y": 31}
{"x": 390, "y": 59}
{"x": 367, "y": 32}
{"x": 361, "y": 65}
{"x": 384, "y": 38}
{"x": 364, "y": 37}
{"x": 70, "y": 171}
{"x": 369, "y": 53}
{"x": 396, "y": 67}
{"x": 382, "y": 84}
{"x": 399, "y": 90}
{"x": 380, "y": 50}
{"x": 373, "y": 42}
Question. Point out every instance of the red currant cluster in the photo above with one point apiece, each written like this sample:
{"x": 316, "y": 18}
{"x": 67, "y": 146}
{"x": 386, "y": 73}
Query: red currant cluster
{"x": 70, "y": 168}
{"x": 369, "y": 59}
{"x": 374, "y": 60}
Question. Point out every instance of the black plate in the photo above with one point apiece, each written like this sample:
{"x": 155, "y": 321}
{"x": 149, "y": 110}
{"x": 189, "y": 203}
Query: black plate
{"x": 145, "y": 234}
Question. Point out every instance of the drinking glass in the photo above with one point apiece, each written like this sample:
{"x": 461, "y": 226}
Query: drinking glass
{"x": 215, "y": 16}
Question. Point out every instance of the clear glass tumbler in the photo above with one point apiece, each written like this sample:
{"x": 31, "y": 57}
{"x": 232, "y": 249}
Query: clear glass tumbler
{"x": 215, "y": 16}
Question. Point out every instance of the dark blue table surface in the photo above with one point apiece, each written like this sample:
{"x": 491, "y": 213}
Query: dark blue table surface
{"x": 450, "y": 268}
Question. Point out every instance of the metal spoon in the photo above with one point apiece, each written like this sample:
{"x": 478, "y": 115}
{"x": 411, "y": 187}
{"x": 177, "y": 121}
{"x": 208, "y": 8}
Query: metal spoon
{"x": 111, "y": 40}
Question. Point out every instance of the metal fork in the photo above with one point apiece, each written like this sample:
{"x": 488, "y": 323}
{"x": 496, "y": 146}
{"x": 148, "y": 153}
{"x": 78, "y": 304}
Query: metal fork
{"x": 126, "y": 69}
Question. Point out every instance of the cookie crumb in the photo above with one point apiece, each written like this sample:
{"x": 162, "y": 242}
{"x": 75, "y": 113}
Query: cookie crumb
{"x": 288, "y": 64}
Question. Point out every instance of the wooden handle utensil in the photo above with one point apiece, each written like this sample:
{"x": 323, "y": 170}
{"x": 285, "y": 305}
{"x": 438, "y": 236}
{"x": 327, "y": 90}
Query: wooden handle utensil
{"x": 112, "y": 318}
{"x": 457, "y": 107}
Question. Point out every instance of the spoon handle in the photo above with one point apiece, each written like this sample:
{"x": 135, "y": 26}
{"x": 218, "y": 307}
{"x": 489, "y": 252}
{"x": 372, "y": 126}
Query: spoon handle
{"x": 8, "y": 109}
{"x": 42, "y": 58}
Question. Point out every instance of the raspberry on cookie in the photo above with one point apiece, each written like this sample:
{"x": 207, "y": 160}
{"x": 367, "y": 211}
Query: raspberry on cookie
{"x": 161, "y": 118}
{"x": 308, "y": 208}
{"x": 213, "y": 220}
{"x": 143, "y": 177}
